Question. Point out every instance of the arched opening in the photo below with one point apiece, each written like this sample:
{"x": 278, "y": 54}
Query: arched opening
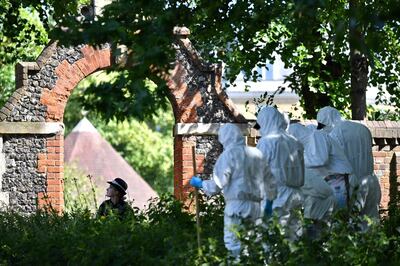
{"x": 140, "y": 152}
{"x": 36, "y": 112}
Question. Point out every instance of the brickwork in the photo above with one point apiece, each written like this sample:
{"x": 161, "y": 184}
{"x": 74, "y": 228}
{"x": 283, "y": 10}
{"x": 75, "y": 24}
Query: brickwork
{"x": 44, "y": 86}
{"x": 196, "y": 97}
{"x": 386, "y": 164}
{"x": 68, "y": 76}
{"x": 206, "y": 150}
{"x": 51, "y": 163}
{"x": 34, "y": 172}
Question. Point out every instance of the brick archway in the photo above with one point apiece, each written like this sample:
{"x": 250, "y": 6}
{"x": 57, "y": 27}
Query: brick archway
{"x": 32, "y": 133}
{"x": 31, "y": 129}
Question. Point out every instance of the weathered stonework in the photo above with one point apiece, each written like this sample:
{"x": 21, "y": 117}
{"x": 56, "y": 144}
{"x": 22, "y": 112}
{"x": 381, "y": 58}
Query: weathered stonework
{"x": 25, "y": 105}
{"x": 196, "y": 97}
{"x": 4, "y": 196}
{"x": 33, "y": 146}
{"x": 21, "y": 180}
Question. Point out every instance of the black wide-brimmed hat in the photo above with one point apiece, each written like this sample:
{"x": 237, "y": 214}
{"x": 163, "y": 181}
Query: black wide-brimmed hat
{"x": 119, "y": 184}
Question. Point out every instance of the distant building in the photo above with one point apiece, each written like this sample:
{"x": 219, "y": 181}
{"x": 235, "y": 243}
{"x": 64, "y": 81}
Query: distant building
{"x": 85, "y": 147}
{"x": 271, "y": 79}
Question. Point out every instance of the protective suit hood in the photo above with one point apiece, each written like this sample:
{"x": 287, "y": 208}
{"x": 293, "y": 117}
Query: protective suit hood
{"x": 300, "y": 132}
{"x": 271, "y": 121}
{"x": 230, "y": 135}
{"x": 328, "y": 116}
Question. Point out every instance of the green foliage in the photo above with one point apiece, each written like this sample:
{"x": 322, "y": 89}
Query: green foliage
{"x": 381, "y": 114}
{"x": 312, "y": 38}
{"x": 79, "y": 190}
{"x": 7, "y": 83}
{"x": 24, "y": 25}
{"x": 148, "y": 152}
{"x": 146, "y": 146}
{"x": 22, "y": 38}
{"x": 22, "y": 30}
{"x": 165, "y": 234}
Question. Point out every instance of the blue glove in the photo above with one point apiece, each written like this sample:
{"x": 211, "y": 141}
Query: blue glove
{"x": 268, "y": 208}
{"x": 196, "y": 182}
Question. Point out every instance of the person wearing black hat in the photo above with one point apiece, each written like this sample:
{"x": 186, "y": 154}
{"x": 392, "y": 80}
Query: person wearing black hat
{"x": 116, "y": 205}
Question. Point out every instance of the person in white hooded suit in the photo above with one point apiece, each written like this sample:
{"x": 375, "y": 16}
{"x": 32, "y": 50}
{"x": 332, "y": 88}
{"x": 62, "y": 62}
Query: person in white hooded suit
{"x": 323, "y": 157}
{"x": 245, "y": 179}
{"x": 285, "y": 156}
{"x": 327, "y": 118}
{"x": 356, "y": 141}
{"x": 319, "y": 199}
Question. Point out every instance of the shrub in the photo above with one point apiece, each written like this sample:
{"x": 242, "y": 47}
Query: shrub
{"x": 165, "y": 234}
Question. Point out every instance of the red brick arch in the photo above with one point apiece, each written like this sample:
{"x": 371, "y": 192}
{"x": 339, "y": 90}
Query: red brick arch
{"x": 194, "y": 91}
{"x": 68, "y": 77}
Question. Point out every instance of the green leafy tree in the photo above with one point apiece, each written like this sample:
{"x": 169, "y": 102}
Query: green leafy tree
{"x": 22, "y": 30}
{"x": 22, "y": 36}
{"x": 146, "y": 146}
{"x": 149, "y": 152}
{"x": 335, "y": 48}
{"x": 7, "y": 83}
{"x": 24, "y": 27}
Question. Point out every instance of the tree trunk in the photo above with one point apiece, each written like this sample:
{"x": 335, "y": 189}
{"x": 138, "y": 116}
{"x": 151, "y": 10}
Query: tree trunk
{"x": 358, "y": 64}
{"x": 359, "y": 81}
{"x": 313, "y": 101}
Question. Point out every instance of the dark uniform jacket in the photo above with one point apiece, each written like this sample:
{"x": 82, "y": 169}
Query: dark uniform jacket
{"x": 122, "y": 209}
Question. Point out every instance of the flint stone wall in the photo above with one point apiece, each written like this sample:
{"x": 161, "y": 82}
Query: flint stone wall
{"x": 21, "y": 180}
{"x": 31, "y": 127}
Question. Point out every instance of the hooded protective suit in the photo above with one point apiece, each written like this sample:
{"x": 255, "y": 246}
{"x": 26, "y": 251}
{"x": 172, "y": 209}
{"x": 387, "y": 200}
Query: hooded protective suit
{"x": 245, "y": 179}
{"x": 285, "y": 157}
{"x": 356, "y": 141}
{"x": 322, "y": 157}
{"x": 329, "y": 117}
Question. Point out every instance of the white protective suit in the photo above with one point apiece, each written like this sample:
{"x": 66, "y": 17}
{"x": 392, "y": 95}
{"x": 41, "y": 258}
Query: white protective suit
{"x": 328, "y": 116}
{"x": 246, "y": 182}
{"x": 322, "y": 157}
{"x": 356, "y": 141}
{"x": 285, "y": 157}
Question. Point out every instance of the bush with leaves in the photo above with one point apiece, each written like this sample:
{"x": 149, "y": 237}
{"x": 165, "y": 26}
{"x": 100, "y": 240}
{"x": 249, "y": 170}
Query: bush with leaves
{"x": 165, "y": 234}
{"x": 345, "y": 242}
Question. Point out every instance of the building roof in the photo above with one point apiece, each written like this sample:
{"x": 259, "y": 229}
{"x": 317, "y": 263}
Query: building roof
{"x": 87, "y": 149}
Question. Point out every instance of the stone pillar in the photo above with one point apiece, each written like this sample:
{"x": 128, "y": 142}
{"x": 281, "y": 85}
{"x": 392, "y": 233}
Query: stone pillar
{"x": 4, "y": 197}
